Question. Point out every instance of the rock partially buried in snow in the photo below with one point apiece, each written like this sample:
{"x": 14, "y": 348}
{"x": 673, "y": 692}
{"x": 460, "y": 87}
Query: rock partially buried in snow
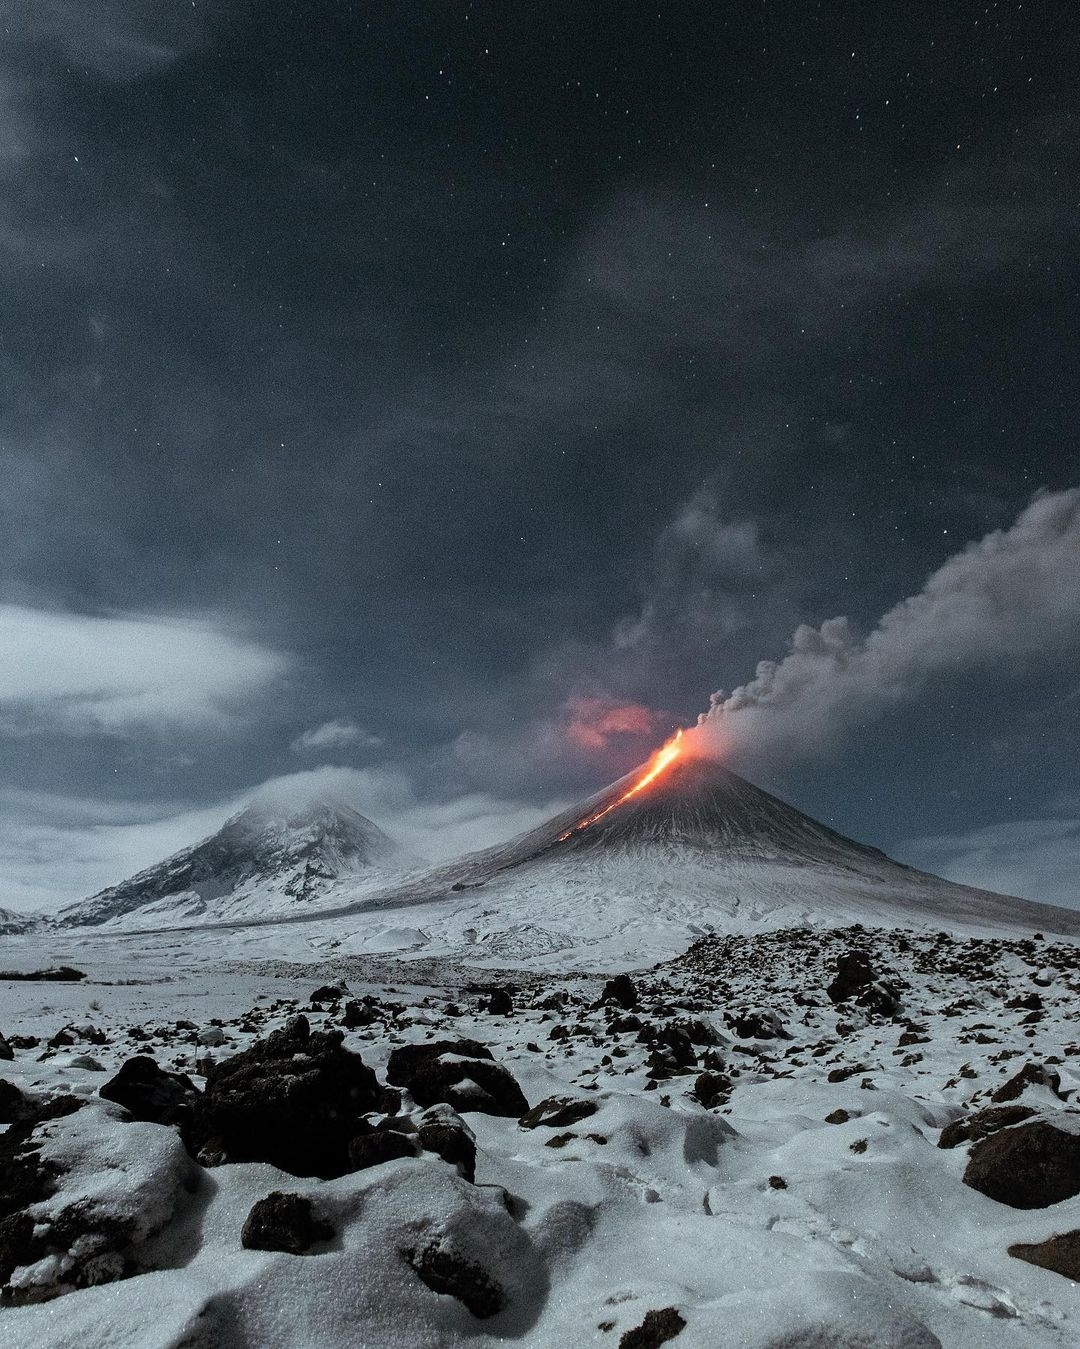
{"x": 446, "y": 1270}
{"x": 79, "y": 1195}
{"x": 372, "y": 1147}
{"x": 558, "y": 1112}
{"x": 283, "y": 1222}
{"x": 1061, "y": 1254}
{"x": 294, "y": 1100}
{"x": 658, "y": 1328}
{"x": 982, "y": 1123}
{"x": 442, "y": 1131}
{"x": 13, "y": 1103}
{"x": 149, "y": 1093}
{"x": 1030, "y": 1165}
{"x": 1031, "y": 1075}
{"x": 459, "y": 1073}
{"x": 622, "y": 991}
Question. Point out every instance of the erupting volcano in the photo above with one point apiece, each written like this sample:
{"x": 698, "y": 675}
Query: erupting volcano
{"x": 679, "y": 847}
{"x": 663, "y": 757}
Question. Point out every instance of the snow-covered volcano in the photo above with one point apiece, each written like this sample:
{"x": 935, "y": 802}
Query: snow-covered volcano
{"x": 694, "y": 805}
{"x": 700, "y": 850}
{"x": 271, "y": 858}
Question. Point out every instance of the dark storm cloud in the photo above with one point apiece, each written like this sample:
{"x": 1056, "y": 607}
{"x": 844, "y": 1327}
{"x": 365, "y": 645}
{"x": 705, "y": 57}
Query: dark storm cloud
{"x": 469, "y": 367}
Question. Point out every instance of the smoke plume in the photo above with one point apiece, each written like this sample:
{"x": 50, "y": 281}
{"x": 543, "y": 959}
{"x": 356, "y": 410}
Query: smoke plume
{"x": 1009, "y": 602}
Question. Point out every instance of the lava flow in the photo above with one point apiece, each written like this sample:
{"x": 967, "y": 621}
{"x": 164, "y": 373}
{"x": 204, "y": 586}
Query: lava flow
{"x": 663, "y": 758}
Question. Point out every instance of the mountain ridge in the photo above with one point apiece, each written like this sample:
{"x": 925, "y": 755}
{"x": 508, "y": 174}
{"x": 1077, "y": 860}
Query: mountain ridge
{"x": 288, "y": 851}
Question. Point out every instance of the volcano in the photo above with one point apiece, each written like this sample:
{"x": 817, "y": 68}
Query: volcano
{"x": 272, "y": 858}
{"x": 633, "y": 875}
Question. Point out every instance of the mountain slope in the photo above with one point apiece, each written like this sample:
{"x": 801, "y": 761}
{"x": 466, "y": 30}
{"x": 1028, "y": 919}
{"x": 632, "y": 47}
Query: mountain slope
{"x": 700, "y": 850}
{"x": 268, "y": 859}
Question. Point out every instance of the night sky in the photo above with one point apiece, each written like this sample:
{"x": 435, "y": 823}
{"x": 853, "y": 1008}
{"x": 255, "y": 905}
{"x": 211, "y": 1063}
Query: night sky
{"x": 439, "y": 402}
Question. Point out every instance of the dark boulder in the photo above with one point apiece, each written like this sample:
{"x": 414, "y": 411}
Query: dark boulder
{"x": 500, "y": 1003}
{"x": 371, "y": 1147}
{"x": 558, "y": 1112}
{"x": 13, "y": 1104}
{"x": 446, "y": 1270}
{"x": 357, "y": 1014}
{"x": 712, "y": 1089}
{"x": 149, "y": 1093}
{"x": 328, "y": 993}
{"x": 442, "y": 1131}
{"x": 1030, "y": 1165}
{"x": 1061, "y": 1254}
{"x": 856, "y": 980}
{"x": 982, "y": 1123}
{"x": 757, "y": 1025}
{"x": 622, "y": 991}
{"x": 6, "y": 1051}
{"x": 283, "y": 1222}
{"x": 853, "y": 974}
{"x": 1031, "y": 1075}
{"x": 295, "y": 1100}
{"x": 460, "y": 1073}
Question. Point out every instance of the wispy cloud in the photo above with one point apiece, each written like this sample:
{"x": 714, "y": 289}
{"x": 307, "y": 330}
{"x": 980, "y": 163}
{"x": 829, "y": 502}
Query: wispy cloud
{"x": 56, "y": 849}
{"x": 85, "y": 674}
{"x": 1036, "y": 859}
{"x": 116, "y": 39}
{"x": 332, "y": 735}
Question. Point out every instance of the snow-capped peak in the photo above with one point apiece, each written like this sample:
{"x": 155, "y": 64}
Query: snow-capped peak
{"x": 271, "y": 856}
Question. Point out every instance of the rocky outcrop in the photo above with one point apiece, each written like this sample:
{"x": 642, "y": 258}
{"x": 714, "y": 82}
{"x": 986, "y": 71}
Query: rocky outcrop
{"x": 295, "y": 1099}
{"x": 1030, "y": 1165}
{"x": 459, "y": 1073}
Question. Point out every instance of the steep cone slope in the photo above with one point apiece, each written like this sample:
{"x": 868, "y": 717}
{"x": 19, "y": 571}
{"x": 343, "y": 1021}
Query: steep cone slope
{"x": 696, "y": 804}
{"x": 267, "y": 860}
{"x": 700, "y": 850}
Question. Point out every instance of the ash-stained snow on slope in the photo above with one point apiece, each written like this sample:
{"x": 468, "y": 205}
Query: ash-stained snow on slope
{"x": 270, "y": 858}
{"x": 745, "y": 1146}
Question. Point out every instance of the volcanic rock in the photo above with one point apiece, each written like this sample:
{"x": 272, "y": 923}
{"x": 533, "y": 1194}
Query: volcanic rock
{"x": 759, "y": 1024}
{"x": 328, "y": 993}
{"x": 460, "y": 1073}
{"x": 371, "y": 1148}
{"x": 283, "y": 1222}
{"x": 446, "y": 1270}
{"x": 712, "y": 1089}
{"x": 149, "y": 1093}
{"x": 13, "y": 1104}
{"x": 982, "y": 1123}
{"x": 357, "y": 1014}
{"x": 622, "y": 991}
{"x": 658, "y": 1328}
{"x": 1031, "y": 1075}
{"x": 442, "y": 1130}
{"x": 294, "y": 1099}
{"x": 1030, "y": 1165}
{"x": 500, "y": 1003}
{"x": 1060, "y": 1254}
{"x": 558, "y": 1112}
{"x": 853, "y": 974}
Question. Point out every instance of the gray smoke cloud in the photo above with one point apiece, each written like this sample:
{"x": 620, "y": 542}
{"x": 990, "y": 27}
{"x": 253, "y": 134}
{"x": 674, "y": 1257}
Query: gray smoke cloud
{"x": 1010, "y": 601}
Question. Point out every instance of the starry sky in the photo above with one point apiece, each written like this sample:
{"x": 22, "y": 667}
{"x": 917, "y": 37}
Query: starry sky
{"x": 440, "y": 403}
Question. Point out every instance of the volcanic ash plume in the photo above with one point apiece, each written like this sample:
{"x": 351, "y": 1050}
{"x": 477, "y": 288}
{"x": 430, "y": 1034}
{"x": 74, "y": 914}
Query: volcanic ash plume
{"x": 1010, "y": 602}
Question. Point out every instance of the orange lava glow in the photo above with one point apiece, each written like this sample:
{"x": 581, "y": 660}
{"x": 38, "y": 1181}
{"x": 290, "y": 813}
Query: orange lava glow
{"x": 664, "y": 757}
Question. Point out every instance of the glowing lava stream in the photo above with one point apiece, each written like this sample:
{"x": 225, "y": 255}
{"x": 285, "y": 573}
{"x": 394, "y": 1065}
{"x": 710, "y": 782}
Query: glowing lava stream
{"x": 664, "y": 756}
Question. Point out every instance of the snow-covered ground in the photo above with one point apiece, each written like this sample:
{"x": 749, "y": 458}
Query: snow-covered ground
{"x": 708, "y": 1183}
